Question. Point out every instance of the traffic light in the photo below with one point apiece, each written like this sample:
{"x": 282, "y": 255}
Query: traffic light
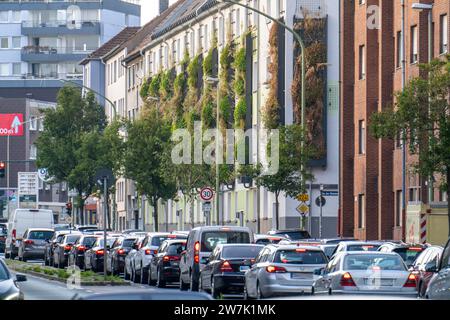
{"x": 2, "y": 169}
{"x": 69, "y": 208}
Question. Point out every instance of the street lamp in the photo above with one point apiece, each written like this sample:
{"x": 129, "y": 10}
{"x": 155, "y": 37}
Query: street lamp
{"x": 215, "y": 81}
{"x": 429, "y": 7}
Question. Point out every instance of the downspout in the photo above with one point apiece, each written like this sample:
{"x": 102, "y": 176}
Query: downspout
{"x": 404, "y": 133}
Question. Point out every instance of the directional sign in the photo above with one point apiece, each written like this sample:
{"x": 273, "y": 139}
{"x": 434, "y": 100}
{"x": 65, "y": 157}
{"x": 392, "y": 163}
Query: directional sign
{"x": 304, "y": 197}
{"x": 318, "y": 200}
{"x": 206, "y": 194}
{"x": 330, "y": 193}
{"x": 11, "y": 124}
{"x": 303, "y": 209}
{"x": 68, "y": 219}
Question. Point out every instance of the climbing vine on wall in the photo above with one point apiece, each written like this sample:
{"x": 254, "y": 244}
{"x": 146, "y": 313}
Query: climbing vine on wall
{"x": 192, "y": 106}
{"x": 240, "y": 110}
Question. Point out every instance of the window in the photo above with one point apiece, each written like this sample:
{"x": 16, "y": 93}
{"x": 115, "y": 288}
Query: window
{"x": 281, "y": 9}
{"x": 443, "y": 196}
{"x": 414, "y": 194}
{"x": 361, "y": 211}
{"x": 16, "y": 42}
{"x": 109, "y": 74}
{"x": 361, "y": 2}
{"x": 233, "y": 22}
{"x": 399, "y": 49}
{"x": 362, "y": 62}
{"x": 414, "y": 45}
{"x": 4, "y": 44}
{"x": 443, "y": 42}
{"x": 221, "y": 31}
{"x": 115, "y": 71}
{"x": 33, "y": 152}
{"x": 362, "y": 137}
{"x": 33, "y": 124}
{"x": 16, "y": 16}
{"x": 398, "y": 208}
{"x": 238, "y": 22}
{"x": 17, "y": 69}
{"x": 3, "y": 16}
{"x": 4, "y": 69}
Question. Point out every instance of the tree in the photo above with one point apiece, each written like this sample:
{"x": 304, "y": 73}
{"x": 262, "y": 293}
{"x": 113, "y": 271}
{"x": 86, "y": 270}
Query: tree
{"x": 422, "y": 111}
{"x": 146, "y": 150}
{"x": 288, "y": 179}
{"x": 73, "y": 125}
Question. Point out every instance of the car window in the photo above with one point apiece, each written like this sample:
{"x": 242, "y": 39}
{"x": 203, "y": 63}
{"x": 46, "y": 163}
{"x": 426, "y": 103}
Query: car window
{"x": 210, "y": 239}
{"x": 89, "y": 241}
{"x": 4, "y": 274}
{"x": 128, "y": 243}
{"x": 176, "y": 248}
{"x": 445, "y": 261}
{"x": 241, "y": 252}
{"x": 156, "y": 241}
{"x": 300, "y": 256}
{"x": 423, "y": 258}
{"x": 263, "y": 241}
{"x": 261, "y": 255}
{"x": 362, "y": 247}
{"x": 368, "y": 261}
{"x": 40, "y": 235}
{"x": 408, "y": 255}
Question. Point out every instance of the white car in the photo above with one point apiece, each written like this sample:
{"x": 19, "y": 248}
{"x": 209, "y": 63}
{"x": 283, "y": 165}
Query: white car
{"x": 129, "y": 259}
{"x": 20, "y": 221}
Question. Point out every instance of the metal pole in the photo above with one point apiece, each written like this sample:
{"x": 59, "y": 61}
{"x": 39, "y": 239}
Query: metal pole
{"x": 7, "y": 177}
{"x": 320, "y": 218}
{"x": 217, "y": 158}
{"x": 105, "y": 204}
{"x": 403, "y": 218}
{"x": 430, "y": 57}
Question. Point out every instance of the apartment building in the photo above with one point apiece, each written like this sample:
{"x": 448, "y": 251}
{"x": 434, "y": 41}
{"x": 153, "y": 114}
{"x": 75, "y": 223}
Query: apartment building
{"x": 371, "y": 179}
{"x": 42, "y": 42}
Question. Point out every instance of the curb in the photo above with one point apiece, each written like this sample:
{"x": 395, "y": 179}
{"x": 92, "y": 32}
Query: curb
{"x": 52, "y": 278}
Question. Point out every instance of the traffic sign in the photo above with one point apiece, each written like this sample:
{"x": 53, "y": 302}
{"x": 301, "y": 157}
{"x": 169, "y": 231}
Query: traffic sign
{"x": 11, "y": 124}
{"x": 303, "y": 209}
{"x": 330, "y": 193}
{"x": 206, "y": 206}
{"x": 324, "y": 201}
{"x": 68, "y": 219}
{"x": 304, "y": 197}
{"x": 206, "y": 194}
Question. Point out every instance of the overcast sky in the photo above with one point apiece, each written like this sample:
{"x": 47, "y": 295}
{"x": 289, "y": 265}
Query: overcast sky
{"x": 150, "y": 9}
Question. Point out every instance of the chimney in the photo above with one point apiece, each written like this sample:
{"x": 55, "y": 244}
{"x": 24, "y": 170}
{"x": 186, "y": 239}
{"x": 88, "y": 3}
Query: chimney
{"x": 163, "y": 5}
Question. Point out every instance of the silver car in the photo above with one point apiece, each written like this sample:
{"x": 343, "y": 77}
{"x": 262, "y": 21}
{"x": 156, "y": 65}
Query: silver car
{"x": 33, "y": 243}
{"x": 358, "y": 272}
{"x": 283, "y": 269}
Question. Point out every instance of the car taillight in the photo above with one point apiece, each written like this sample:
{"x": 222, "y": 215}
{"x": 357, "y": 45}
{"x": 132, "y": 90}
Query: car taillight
{"x": 14, "y": 233}
{"x": 99, "y": 252}
{"x": 148, "y": 252}
{"x": 415, "y": 249}
{"x": 275, "y": 269}
{"x": 197, "y": 252}
{"x": 155, "y": 251}
{"x": 67, "y": 247}
{"x": 28, "y": 241}
{"x": 121, "y": 252}
{"x": 300, "y": 250}
{"x": 81, "y": 248}
{"x": 347, "y": 280}
{"x": 226, "y": 267}
{"x": 411, "y": 282}
{"x": 172, "y": 236}
{"x": 170, "y": 258}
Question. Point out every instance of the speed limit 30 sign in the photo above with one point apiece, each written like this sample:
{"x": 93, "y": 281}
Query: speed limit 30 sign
{"x": 206, "y": 194}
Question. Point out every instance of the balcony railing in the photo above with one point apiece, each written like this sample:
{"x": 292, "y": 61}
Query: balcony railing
{"x": 47, "y": 76}
{"x": 136, "y": 2}
{"x": 57, "y": 50}
{"x": 61, "y": 24}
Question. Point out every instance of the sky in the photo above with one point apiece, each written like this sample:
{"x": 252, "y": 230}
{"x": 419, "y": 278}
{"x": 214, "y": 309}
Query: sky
{"x": 149, "y": 9}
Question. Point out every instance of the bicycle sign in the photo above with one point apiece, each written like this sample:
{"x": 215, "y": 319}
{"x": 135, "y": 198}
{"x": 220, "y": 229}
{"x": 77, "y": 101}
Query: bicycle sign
{"x": 206, "y": 194}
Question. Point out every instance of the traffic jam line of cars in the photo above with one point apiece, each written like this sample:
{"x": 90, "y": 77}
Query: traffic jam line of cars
{"x": 232, "y": 261}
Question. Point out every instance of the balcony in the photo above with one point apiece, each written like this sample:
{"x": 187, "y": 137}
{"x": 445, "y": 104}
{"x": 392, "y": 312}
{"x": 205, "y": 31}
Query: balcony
{"x": 43, "y": 54}
{"x": 60, "y": 27}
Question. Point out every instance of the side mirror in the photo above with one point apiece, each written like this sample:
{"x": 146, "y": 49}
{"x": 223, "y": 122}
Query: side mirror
{"x": 319, "y": 272}
{"x": 431, "y": 266}
{"x": 21, "y": 277}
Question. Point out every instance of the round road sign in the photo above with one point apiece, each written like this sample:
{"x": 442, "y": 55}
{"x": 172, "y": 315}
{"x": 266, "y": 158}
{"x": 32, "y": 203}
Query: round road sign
{"x": 206, "y": 194}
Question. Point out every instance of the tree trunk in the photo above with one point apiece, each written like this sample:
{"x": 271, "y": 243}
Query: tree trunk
{"x": 448, "y": 199}
{"x": 81, "y": 206}
{"x": 108, "y": 212}
{"x": 192, "y": 213}
{"x": 277, "y": 209}
{"x": 155, "y": 213}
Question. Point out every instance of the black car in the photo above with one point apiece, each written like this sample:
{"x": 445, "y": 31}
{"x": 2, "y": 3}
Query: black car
{"x": 8, "y": 284}
{"x": 94, "y": 257}
{"x": 3, "y": 234}
{"x": 51, "y": 245}
{"x": 409, "y": 252}
{"x": 62, "y": 249}
{"x": 292, "y": 234}
{"x": 165, "y": 266}
{"x": 439, "y": 286}
{"x": 116, "y": 256}
{"x": 76, "y": 254}
{"x": 226, "y": 267}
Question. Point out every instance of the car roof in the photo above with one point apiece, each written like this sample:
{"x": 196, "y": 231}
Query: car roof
{"x": 404, "y": 245}
{"x": 361, "y": 242}
{"x": 294, "y": 246}
{"x": 222, "y": 228}
{"x": 40, "y": 229}
{"x": 347, "y": 253}
{"x": 223, "y": 245}
{"x": 174, "y": 241}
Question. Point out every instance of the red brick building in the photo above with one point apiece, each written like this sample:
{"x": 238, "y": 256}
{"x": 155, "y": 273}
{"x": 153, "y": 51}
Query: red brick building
{"x": 371, "y": 71}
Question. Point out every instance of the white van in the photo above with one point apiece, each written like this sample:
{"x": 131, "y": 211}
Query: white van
{"x": 20, "y": 221}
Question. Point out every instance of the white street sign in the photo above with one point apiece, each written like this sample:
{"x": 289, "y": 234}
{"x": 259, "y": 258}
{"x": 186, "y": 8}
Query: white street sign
{"x": 28, "y": 190}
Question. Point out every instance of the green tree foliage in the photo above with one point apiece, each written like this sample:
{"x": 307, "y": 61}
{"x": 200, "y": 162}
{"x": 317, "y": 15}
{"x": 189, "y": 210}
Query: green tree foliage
{"x": 422, "y": 111}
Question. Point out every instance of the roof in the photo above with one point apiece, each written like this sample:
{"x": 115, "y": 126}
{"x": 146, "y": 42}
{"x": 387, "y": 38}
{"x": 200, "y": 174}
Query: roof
{"x": 113, "y": 43}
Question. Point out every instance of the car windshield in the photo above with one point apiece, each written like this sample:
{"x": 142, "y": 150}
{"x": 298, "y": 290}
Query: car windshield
{"x": 296, "y": 235}
{"x": 329, "y": 250}
{"x": 363, "y": 247}
{"x": 2, "y": 230}
{"x": 210, "y": 239}
{"x": 109, "y": 242}
{"x": 409, "y": 255}
{"x": 156, "y": 241}
{"x": 89, "y": 241}
{"x": 40, "y": 235}
{"x": 176, "y": 248}
{"x": 4, "y": 275}
{"x": 241, "y": 252}
{"x": 128, "y": 243}
{"x": 72, "y": 239}
{"x": 371, "y": 262}
{"x": 300, "y": 256}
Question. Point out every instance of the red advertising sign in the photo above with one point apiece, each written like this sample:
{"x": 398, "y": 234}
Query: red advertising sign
{"x": 11, "y": 124}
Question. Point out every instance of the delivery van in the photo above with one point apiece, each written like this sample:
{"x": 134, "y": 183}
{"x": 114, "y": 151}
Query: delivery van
{"x": 20, "y": 221}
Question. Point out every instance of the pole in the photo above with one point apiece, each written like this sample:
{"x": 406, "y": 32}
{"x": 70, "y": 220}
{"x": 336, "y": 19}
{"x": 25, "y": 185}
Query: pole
{"x": 217, "y": 157}
{"x": 7, "y": 177}
{"x": 403, "y": 218}
{"x": 321, "y": 211}
{"x": 105, "y": 213}
{"x": 430, "y": 57}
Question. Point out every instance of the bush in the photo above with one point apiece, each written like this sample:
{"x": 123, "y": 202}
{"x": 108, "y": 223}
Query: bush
{"x": 240, "y": 113}
{"x": 240, "y": 60}
{"x": 37, "y": 269}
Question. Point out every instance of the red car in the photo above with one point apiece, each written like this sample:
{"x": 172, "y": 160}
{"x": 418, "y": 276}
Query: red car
{"x": 424, "y": 267}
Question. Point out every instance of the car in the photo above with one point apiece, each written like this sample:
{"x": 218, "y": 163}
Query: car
{"x": 148, "y": 249}
{"x": 356, "y": 246}
{"x": 304, "y": 242}
{"x": 62, "y": 249}
{"x": 33, "y": 243}
{"x": 19, "y": 222}
{"x": 51, "y": 244}
{"x": 426, "y": 262}
{"x": 328, "y": 249}
{"x": 76, "y": 254}
{"x": 129, "y": 259}
{"x": 283, "y": 270}
{"x": 337, "y": 240}
{"x": 293, "y": 234}
{"x": 225, "y": 270}
{"x": 439, "y": 285}
{"x": 129, "y": 231}
{"x": 409, "y": 252}
{"x": 9, "y": 290}
{"x": 94, "y": 257}
{"x": 116, "y": 256}
{"x": 153, "y": 294}
{"x": 3, "y": 234}
{"x": 87, "y": 228}
{"x": 365, "y": 272}
{"x": 62, "y": 226}
{"x": 201, "y": 242}
{"x": 267, "y": 239}
{"x": 165, "y": 265}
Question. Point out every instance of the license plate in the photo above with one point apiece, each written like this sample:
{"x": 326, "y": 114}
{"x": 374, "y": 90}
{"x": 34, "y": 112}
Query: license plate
{"x": 299, "y": 275}
{"x": 379, "y": 282}
{"x": 176, "y": 264}
{"x": 244, "y": 268}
